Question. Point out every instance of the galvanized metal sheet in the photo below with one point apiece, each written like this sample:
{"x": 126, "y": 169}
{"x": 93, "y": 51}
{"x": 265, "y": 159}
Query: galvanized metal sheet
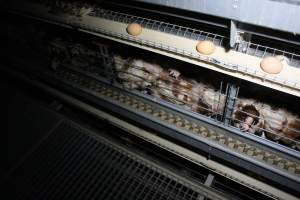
{"x": 275, "y": 14}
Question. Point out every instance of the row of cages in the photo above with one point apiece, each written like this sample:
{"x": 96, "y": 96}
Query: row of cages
{"x": 258, "y": 48}
{"x": 252, "y": 109}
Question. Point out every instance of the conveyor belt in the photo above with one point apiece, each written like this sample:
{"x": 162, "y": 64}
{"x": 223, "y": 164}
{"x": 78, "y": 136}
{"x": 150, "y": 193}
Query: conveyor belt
{"x": 74, "y": 163}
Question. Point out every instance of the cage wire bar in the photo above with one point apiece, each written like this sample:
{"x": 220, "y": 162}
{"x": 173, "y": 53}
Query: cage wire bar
{"x": 107, "y": 61}
{"x": 232, "y": 94}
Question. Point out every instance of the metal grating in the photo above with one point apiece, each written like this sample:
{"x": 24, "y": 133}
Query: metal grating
{"x": 71, "y": 164}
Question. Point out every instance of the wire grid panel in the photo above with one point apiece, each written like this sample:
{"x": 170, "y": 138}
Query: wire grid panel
{"x": 71, "y": 164}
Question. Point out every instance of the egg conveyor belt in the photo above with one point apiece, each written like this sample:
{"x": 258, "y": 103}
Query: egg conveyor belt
{"x": 178, "y": 46}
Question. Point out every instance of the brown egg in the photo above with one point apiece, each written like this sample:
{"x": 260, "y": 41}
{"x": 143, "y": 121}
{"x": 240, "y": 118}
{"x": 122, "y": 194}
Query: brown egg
{"x": 271, "y": 65}
{"x": 134, "y": 29}
{"x": 205, "y": 47}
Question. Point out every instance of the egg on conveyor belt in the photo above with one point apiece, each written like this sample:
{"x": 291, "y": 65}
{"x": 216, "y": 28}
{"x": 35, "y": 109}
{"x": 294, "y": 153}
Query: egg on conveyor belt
{"x": 205, "y": 47}
{"x": 134, "y": 29}
{"x": 271, "y": 65}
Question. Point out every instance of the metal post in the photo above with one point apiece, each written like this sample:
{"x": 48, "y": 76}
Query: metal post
{"x": 107, "y": 61}
{"x": 238, "y": 36}
{"x": 232, "y": 94}
{"x": 208, "y": 183}
{"x": 233, "y": 33}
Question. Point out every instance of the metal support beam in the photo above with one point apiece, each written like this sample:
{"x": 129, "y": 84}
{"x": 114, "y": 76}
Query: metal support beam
{"x": 282, "y": 15}
{"x": 234, "y": 35}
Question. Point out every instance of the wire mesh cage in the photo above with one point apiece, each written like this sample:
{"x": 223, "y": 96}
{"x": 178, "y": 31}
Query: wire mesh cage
{"x": 258, "y": 50}
{"x": 93, "y": 58}
{"x": 249, "y": 115}
{"x": 273, "y": 123}
{"x": 168, "y": 84}
{"x": 75, "y": 8}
